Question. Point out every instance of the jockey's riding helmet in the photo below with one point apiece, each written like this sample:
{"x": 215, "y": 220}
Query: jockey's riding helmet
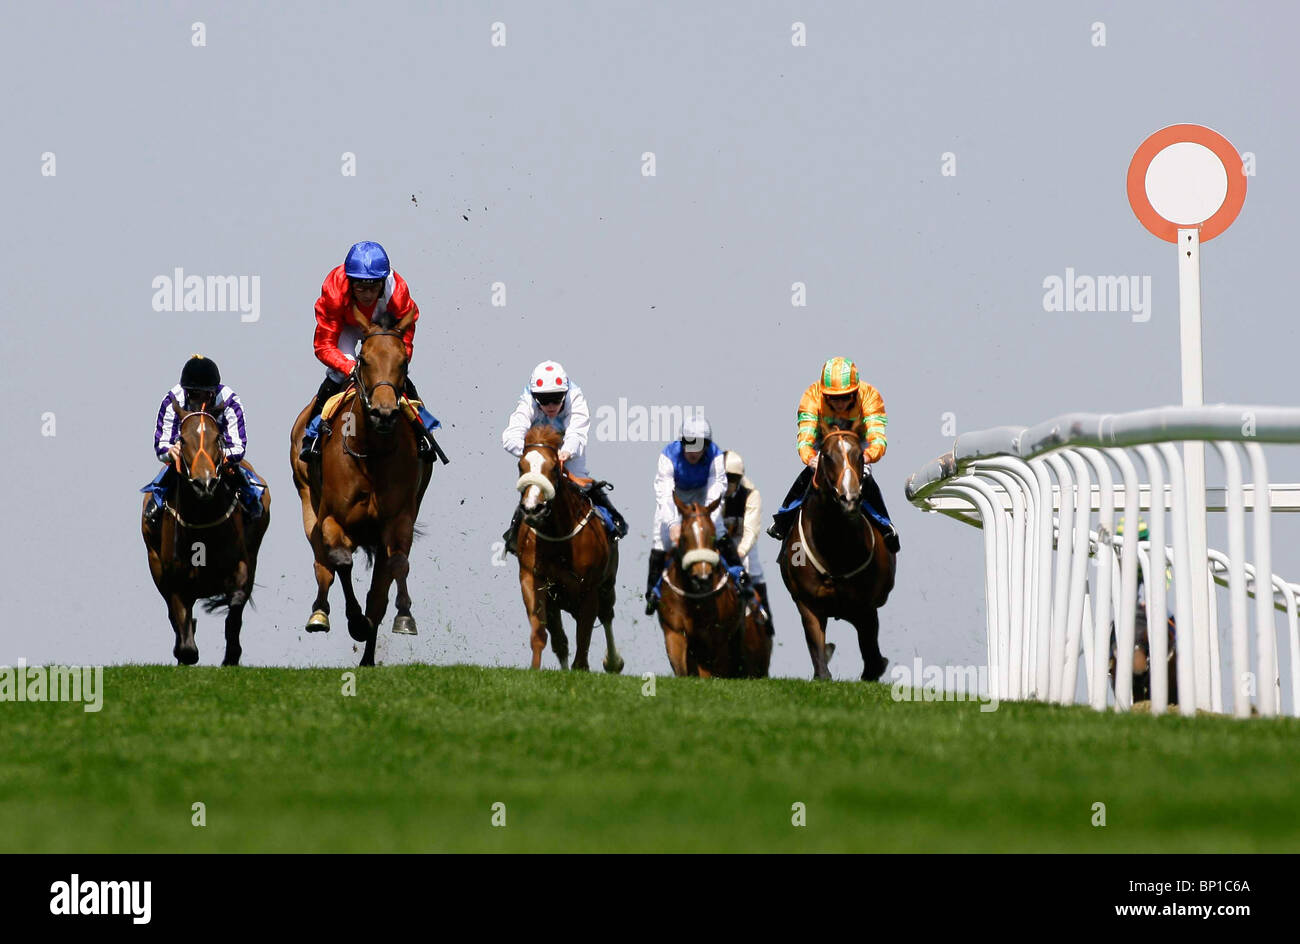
{"x": 366, "y": 260}
{"x": 839, "y": 376}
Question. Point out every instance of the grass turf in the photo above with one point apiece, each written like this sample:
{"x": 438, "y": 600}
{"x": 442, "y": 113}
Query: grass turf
{"x": 416, "y": 759}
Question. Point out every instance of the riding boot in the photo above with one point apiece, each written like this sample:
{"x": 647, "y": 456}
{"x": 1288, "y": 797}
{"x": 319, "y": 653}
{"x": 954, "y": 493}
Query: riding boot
{"x": 731, "y": 556}
{"x": 785, "y": 514}
{"x": 657, "y": 561}
{"x": 311, "y": 440}
{"x": 761, "y": 589}
{"x": 598, "y": 496}
{"x": 250, "y": 492}
{"x": 871, "y": 492}
{"x": 512, "y": 532}
{"x": 157, "y": 490}
{"x": 153, "y": 513}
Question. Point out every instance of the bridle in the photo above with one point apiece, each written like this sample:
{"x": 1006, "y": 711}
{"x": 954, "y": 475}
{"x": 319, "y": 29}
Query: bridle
{"x": 803, "y": 540}
{"x": 688, "y": 559}
{"x": 548, "y": 489}
{"x": 364, "y": 395}
{"x": 183, "y": 469}
{"x": 362, "y": 392}
{"x": 203, "y": 415}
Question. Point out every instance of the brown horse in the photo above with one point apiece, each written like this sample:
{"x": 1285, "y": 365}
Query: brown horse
{"x": 567, "y": 560}
{"x": 204, "y": 548}
{"x": 1142, "y": 659}
{"x": 707, "y": 629}
{"x": 366, "y": 490}
{"x": 834, "y": 560}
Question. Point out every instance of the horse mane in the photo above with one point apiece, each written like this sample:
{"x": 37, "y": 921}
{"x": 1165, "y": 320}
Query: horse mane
{"x": 543, "y": 434}
{"x": 386, "y": 320}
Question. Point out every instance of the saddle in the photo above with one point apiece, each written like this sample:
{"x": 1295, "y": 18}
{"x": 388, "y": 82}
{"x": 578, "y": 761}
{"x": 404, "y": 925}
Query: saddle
{"x": 333, "y": 404}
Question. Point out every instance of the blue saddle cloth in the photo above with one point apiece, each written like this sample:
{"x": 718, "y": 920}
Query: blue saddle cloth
{"x": 605, "y": 516}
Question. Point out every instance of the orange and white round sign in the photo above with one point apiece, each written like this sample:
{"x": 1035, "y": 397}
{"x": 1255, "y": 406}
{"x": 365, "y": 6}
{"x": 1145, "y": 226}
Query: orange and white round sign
{"x": 1186, "y": 176}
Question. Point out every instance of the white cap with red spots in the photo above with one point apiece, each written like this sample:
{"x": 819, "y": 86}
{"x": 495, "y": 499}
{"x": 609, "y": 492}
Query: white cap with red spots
{"x": 548, "y": 377}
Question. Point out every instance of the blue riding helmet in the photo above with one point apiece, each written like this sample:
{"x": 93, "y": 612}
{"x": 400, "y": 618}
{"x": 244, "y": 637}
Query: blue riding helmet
{"x": 366, "y": 260}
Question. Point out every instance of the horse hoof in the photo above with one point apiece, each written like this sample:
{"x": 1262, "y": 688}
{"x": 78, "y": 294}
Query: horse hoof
{"x": 405, "y": 626}
{"x": 873, "y": 673}
{"x": 830, "y": 651}
{"x": 319, "y": 622}
{"x": 367, "y": 662}
{"x": 187, "y": 655}
{"x": 360, "y": 629}
{"x": 615, "y": 667}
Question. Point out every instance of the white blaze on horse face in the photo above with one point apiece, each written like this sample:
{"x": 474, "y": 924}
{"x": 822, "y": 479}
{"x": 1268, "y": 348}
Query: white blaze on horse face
{"x": 700, "y": 569}
{"x": 846, "y": 479}
{"x": 532, "y": 491}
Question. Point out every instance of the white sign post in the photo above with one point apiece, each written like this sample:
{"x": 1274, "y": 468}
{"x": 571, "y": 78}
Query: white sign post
{"x": 1186, "y": 186}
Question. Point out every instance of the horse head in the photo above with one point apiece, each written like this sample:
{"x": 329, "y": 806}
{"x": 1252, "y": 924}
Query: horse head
{"x": 695, "y": 551}
{"x": 380, "y": 371}
{"x": 202, "y": 451}
{"x": 839, "y": 471}
{"x": 539, "y": 472}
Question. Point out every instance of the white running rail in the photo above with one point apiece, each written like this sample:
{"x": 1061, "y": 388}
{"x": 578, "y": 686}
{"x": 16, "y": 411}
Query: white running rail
{"x": 1035, "y": 491}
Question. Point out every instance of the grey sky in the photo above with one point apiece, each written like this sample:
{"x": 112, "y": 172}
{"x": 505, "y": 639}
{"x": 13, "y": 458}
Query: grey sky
{"x": 775, "y": 164}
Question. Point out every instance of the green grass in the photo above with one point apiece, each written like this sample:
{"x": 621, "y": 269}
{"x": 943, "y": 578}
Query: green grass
{"x": 415, "y": 761}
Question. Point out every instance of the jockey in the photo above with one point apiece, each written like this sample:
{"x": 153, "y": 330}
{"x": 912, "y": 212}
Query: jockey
{"x": 839, "y": 401}
{"x": 552, "y": 397}
{"x": 201, "y": 388}
{"x": 742, "y": 510}
{"x": 694, "y": 468}
{"x": 368, "y": 285}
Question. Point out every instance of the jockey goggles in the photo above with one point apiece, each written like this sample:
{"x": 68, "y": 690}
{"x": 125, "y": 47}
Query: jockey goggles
{"x": 549, "y": 399}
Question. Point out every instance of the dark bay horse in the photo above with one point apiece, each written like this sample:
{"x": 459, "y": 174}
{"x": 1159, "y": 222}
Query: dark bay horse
{"x": 204, "y": 548}
{"x": 1142, "y": 666}
{"x": 707, "y": 628}
{"x": 567, "y": 560}
{"x": 834, "y": 560}
{"x": 366, "y": 490}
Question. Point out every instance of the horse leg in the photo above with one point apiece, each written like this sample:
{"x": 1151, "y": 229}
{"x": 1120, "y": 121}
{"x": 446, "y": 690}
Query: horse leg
{"x": 675, "y": 644}
{"x": 399, "y": 566}
{"x": 613, "y": 661}
{"x": 559, "y": 641}
{"x": 586, "y": 621}
{"x": 873, "y": 663}
{"x": 536, "y": 617}
{"x": 339, "y": 550}
{"x": 814, "y": 632}
{"x": 235, "y": 614}
{"x": 381, "y": 579}
{"x": 319, "y": 622}
{"x": 181, "y": 613}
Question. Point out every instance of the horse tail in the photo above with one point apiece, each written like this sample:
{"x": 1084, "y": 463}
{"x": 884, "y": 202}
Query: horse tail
{"x": 369, "y": 550}
{"x": 212, "y": 604}
{"x": 222, "y": 601}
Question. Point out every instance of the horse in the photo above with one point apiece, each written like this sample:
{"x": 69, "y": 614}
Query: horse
{"x": 708, "y": 630}
{"x": 204, "y": 548}
{"x": 834, "y": 561}
{"x": 366, "y": 490}
{"x": 567, "y": 560}
{"x": 1142, "y": 659}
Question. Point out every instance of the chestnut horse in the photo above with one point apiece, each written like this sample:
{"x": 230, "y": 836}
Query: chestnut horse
{"x": 567, "y": 559}
{"x": 834, "y": 560}
{"x": 366, "y": 490}
{"x": 707, "y": 629}
{"x": 204, "y": 547}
